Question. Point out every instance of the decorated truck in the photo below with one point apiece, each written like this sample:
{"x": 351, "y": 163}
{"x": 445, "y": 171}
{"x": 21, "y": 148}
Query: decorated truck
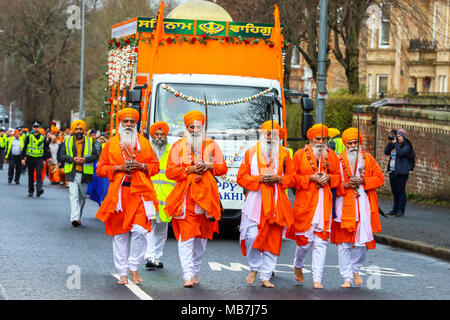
{"x": 176, "y": 63}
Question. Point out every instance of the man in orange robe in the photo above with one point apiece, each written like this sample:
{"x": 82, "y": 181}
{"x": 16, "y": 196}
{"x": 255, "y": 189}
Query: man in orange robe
{"x": 317, "y": 171}
{"x": 266, "y": 172}
{"x": 194, "y": 203}
{"x": 357, "y": 212}
{"x": 128, "y": 161}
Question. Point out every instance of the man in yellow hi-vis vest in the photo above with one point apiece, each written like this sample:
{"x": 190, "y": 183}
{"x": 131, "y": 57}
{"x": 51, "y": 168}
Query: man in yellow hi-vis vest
{"x": 14, "y": 150}
{"x": 78, "y": 155}
{"x": 34, "y": 153}
{"x": 157, "y": 237}
{"x": 3, "y": 143}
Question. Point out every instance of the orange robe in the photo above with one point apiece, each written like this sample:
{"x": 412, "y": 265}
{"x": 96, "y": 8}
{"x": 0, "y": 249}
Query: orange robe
{"x": 188, "y": 192}
{"x": 274, "y": 216}
{"x": 307, "y": 193}
{"x": 133, "y": 210}
{"x": 345, "y": 230}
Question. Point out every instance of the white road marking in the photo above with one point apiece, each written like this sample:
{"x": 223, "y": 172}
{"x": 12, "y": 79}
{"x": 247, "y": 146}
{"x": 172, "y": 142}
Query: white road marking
{"x": 135, "y": 289}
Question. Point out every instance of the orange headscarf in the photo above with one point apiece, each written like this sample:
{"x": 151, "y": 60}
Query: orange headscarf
{"x": 128, "y": 112}
{"x": 193, "y": 116}
{"x": 158, "y": 125}
{"x": 276, "y": 126}
{"x": 317, "y": 130}
{"x": 351, "y": 134}
{"x": 77, "y": 123}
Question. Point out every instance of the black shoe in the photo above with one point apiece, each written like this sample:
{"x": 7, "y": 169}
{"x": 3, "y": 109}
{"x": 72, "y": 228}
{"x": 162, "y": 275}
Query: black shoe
{"x": 9, "y": 182}
{"x": 400, "y": 214}
{"x": 153, "y": 264}
{"x": 76, "y": 223}
{"x": 38, "y": 193}
{"x": 391, "y": 213}
{"x": 17, "y": 182}
{"x": 30, "y": 194}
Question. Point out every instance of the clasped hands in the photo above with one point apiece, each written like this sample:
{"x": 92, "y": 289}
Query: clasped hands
{"x": 200, "y": 168}
{"x": 130, "y": 166}
{"x": 354, "y": 182}
{"x": 270, "y": 179}
{"x": 320, "y": 178}
{"x": 79, "y": 160}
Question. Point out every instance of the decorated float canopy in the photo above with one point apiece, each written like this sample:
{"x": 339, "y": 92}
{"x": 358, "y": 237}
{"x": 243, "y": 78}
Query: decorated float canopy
{"x": 197, "y": 37}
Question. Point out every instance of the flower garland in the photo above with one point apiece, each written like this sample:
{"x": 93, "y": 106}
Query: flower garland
{"x": 213, "y": 103}
{"x": 361, "y": 169}
{"x": 308, "y": 155}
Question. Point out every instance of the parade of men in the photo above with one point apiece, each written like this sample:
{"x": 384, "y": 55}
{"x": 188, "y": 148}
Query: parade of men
{"x": 266, "y": 172}
{"x": 128, "y": 161}
{"x": 357, "y": 212}
{"x": 317, "y": 171}
{"x": 194, "y": 203}
{"x": 156, "y": 238}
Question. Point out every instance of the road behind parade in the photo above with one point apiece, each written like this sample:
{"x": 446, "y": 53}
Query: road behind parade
{"x": 43, "y": 257}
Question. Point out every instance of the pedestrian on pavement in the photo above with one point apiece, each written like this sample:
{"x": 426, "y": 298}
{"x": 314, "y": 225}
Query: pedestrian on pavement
{"x": 194, "y": 203}
{"x": 317, "y": 171}
{"x": 356, "y": 207}
{"x": 266, "y": 172}
{"x": 156, "y": 238}
{"x": 14, "y": 156}
{"x": 128, "y": 161}
{"x": 399, "y": 149}
{"x": 3, "y": 143}
{"x": 79, "y": 155}
{"x": 34, "y": 154}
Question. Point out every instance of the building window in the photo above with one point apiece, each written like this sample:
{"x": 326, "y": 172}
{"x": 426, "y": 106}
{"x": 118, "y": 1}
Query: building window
{"x": 442, "y": 84}
{"x": 370, "y": 87}
{"x": 382, "y": 85}
{"x": 295, "y": 60}
{"x": 385, "y": 25}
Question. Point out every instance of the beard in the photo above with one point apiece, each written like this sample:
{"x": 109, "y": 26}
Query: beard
{"x": 319, "y": 150}
{"x": 128, "y": 136}
{"x": 269, "y": 150}
{"x": 159, "y": 146}
{"x": 351, "y": 156}
{"x": 194, "y": 140}
{"x": 79, "y": 135}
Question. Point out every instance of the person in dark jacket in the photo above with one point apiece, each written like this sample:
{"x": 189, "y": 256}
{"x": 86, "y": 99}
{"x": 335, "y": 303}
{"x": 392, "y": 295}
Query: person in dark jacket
{"x": 398, "y": 149}
{"x": 78, "y": 154}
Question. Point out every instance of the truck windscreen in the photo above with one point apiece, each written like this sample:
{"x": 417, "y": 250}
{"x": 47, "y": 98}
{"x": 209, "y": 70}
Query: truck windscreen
{"x": 234, "y": 118}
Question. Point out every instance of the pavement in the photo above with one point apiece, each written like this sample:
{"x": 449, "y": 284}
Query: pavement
{"x": 423, "y": 229}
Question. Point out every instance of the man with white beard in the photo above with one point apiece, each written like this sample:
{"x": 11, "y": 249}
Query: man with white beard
{"x": 266, "y": 172}
{"x": 156, "y": 238}
{"x": 317, "y": 171}
{"x": 357, "y": 212}
{"x": 194, "y": 203}
{"x": 128, "y": 161}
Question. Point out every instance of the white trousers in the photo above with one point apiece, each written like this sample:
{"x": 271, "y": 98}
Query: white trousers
{"x": 156, "y": 240}
{"x": 262, "y": 262}
{"x": 77, "y": 195}
{"x": 122, "y": 261}
{"x": 350, "y": 259}
{"x": 319, "y": 251}
{"x": 191, "y": 254}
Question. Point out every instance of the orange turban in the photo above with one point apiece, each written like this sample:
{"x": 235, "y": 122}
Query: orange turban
{"x": 268, "y": 126}
{"x": 77, "y": 123}
{"x": 157, "y": 126}
{"x": 317, "y": 130}
{"x": 54, "y": 129}
{"x": 16, "y": 131}
{"x": 41, "y": 131}
{"x": 193, "y": 116}
{"x": 351, "y": 134}
{"x": 128, "y": 112}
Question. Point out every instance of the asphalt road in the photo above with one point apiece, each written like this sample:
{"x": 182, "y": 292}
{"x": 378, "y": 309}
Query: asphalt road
{"x": 43, "y": 257}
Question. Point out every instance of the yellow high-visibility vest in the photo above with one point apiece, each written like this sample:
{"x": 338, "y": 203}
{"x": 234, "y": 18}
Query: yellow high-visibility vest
{"x": 88, "y": 168}
{"x": 8, "y": 150}
{"x": 35, "y": 147}
{"x": 163, "y": 186}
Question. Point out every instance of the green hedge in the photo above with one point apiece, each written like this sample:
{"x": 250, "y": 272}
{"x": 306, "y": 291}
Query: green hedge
{"x": 338, "y": 114}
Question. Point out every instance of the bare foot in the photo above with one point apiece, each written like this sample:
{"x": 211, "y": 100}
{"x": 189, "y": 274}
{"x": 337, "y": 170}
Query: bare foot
{"x": 195, "y": 281}
{"x": 251, "y": 277}
{"x": 123, "y": 280}
{"x": 136, "y": 277}
{"x": 188, "y": 283}
{"x": 299, "y": 274}
{"x": 266, "y": 284}
{"x": 317, "y": 285}
{"x": 346, "y": 284}
{"x": 357, "y": 279}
